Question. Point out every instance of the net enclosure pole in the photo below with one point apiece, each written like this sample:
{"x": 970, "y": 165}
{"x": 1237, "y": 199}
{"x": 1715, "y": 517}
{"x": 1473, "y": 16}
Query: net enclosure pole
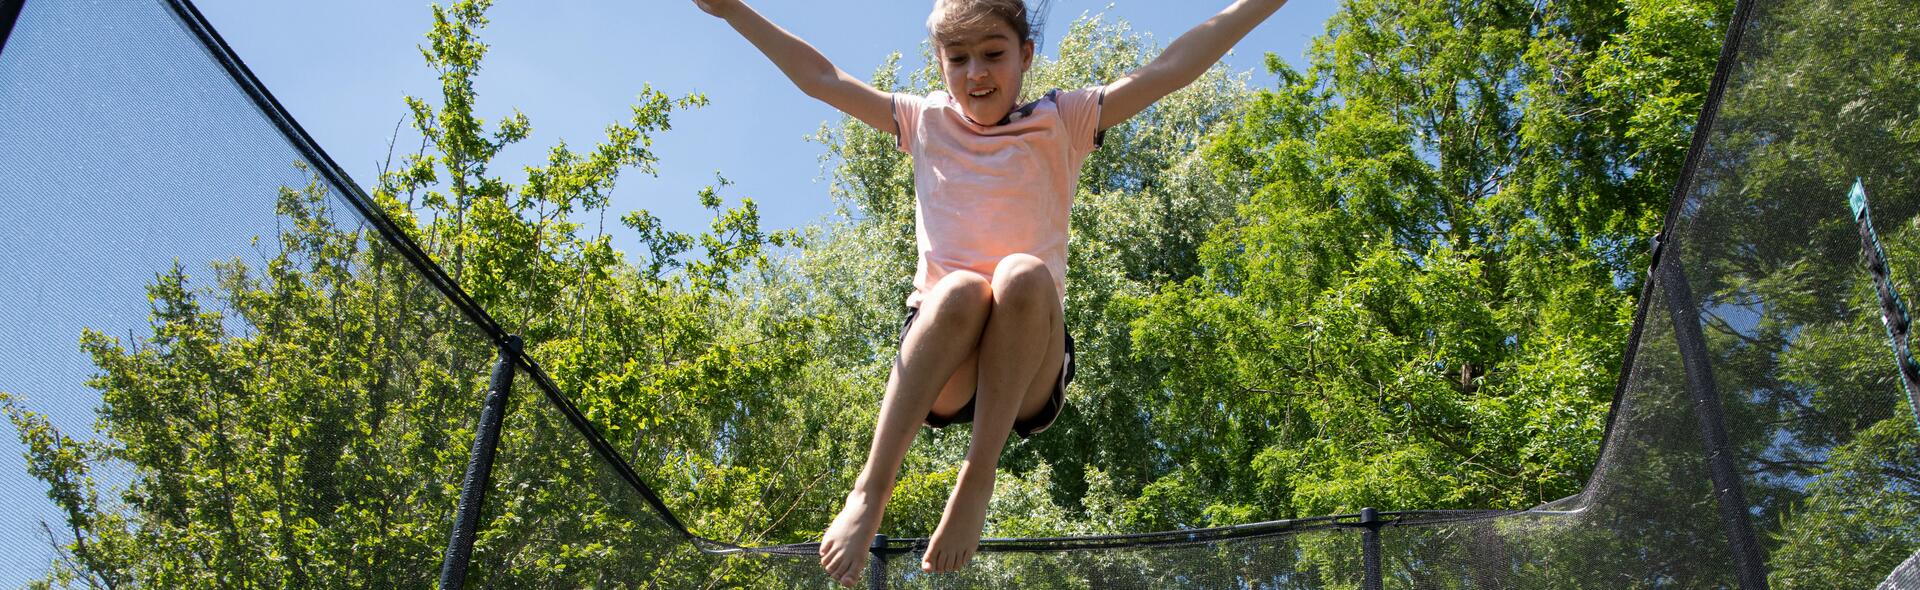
{"x": 1728, "y": 489}
{"x": 1370, "y": 547}
{"x": 877, "y": 566}
{"x": 1667, "y": 273}
{"x": 473, "y": 489}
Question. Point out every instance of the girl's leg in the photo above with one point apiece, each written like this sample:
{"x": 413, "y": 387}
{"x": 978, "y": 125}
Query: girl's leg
{"x": 942, "y": 339}
{"x": 1021, "y": 352}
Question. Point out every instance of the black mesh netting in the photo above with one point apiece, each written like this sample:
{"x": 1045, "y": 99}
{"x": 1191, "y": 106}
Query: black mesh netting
{"x": 190, "y": 284}
{"x": 171, "y": 256}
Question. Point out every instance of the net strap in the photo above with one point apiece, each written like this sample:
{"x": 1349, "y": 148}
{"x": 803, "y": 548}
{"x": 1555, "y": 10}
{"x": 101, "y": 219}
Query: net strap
{"x": 1893, "y": 309}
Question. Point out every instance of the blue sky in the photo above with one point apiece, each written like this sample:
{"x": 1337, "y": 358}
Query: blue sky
{"x": 342, "y": 68}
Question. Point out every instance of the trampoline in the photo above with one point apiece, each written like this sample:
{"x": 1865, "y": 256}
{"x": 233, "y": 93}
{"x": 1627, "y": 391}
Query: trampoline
{"x": 148, "y": 178}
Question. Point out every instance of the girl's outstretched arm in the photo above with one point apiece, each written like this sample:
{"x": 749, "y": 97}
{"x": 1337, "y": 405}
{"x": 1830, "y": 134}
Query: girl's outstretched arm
{"x": 1183, "y": 61}
{"x": 803, "y": 64}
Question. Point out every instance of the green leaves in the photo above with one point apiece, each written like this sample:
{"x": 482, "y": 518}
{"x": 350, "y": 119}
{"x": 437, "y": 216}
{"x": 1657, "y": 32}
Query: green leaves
{"x": 1379, "y": 324}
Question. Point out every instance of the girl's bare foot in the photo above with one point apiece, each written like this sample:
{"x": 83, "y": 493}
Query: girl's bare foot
{"x": 843, "y": 550}
{"x": 958, "y": 536}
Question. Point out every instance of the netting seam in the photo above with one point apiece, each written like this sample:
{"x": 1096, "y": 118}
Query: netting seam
{"x": 1258, "y": 530}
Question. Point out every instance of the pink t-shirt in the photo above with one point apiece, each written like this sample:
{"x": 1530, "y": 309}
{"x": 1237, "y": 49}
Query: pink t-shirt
{"x": 984, "y": 192}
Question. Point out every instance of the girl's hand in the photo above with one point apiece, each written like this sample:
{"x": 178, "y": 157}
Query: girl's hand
{"x": 719, "y": 8}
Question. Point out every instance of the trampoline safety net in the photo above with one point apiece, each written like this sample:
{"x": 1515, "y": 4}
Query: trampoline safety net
{"x": 233, "y": 296}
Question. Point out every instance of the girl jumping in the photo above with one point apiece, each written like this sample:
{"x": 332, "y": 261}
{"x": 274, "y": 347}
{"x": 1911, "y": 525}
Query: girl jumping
{"x": 984, "y": 338}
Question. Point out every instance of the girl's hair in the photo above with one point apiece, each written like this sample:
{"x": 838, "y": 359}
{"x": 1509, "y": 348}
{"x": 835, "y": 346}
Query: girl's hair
{"x": 953, "y": 18}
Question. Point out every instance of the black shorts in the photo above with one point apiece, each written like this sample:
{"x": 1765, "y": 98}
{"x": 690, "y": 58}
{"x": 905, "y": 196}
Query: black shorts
{"x": 1025, "y": 428}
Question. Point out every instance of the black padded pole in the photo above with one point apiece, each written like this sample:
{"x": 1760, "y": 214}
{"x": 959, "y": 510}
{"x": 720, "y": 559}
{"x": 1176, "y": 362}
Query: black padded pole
{"x": 1728, "y": 489}
{"x": 9, "y": 14}
{"x": 473, "y": 490}
{"x": 1729, "y": 492}
{"x": 877, "y": 566}
{"x": 1370, "y": 547}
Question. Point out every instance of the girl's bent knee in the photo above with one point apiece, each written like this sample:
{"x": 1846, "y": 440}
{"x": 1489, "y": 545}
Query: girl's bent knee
{"x": 964, "y": 286}
{"x": 1022, "y": 276}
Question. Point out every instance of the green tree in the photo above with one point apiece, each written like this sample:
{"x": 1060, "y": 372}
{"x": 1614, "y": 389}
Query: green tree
{"x": 1414, "y": 308}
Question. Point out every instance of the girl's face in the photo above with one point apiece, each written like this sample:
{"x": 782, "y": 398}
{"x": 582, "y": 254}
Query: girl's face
{"x": 984, "y": 69}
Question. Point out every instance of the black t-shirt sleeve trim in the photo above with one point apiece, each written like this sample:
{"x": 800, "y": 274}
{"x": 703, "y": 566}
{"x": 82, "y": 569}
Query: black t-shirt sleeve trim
{"x": 1099, "y": 137}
